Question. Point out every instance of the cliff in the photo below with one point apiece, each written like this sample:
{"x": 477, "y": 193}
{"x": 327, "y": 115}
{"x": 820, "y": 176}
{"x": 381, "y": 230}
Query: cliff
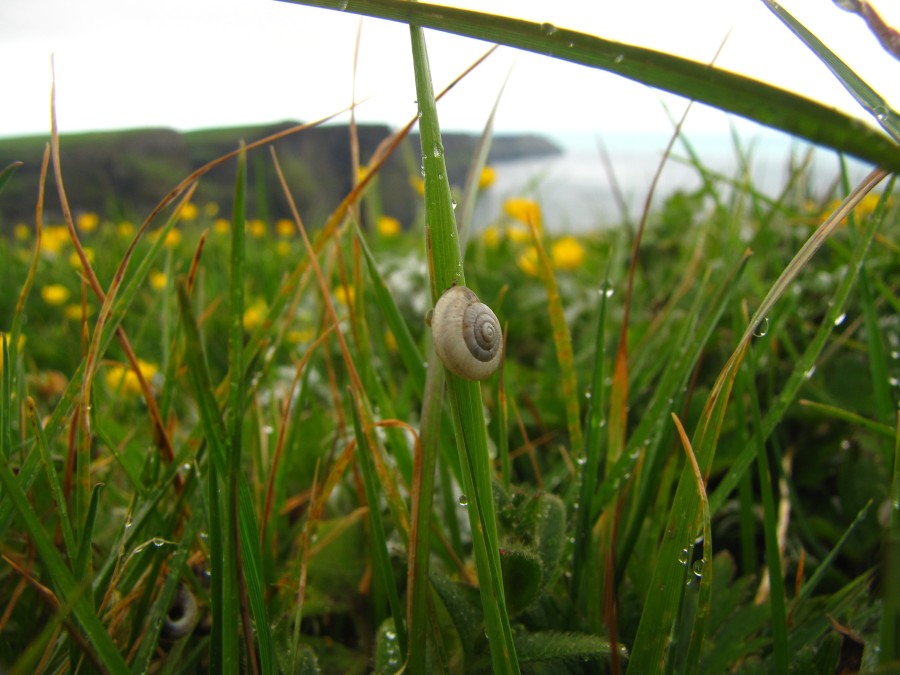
{"x": 123, "y": 174}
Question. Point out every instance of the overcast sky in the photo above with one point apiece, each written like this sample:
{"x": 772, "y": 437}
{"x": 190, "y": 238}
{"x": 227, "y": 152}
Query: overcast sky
{"x": 202, "y": 63}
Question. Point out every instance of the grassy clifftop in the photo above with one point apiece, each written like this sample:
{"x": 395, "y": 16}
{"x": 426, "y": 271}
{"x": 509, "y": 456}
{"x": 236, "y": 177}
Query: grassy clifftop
{"x": 125, "y": 173}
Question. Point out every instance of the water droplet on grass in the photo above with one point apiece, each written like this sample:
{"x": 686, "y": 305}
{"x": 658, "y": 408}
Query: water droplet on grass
{"x": 838, "y": 321}
{"x": 463, "y": 500}
{"x": 548, "y": 28}
{"x": 683, "y": 556}
{"x": 762, "y": 328}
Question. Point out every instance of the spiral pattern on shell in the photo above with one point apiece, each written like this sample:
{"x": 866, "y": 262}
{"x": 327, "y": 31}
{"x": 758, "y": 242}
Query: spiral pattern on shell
{"x": 467, "y": 336}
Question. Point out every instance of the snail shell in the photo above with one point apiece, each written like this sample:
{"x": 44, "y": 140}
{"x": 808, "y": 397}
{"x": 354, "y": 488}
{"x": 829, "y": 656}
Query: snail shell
{"x": 467, "y": 335}
{"x": 182, "y": 615}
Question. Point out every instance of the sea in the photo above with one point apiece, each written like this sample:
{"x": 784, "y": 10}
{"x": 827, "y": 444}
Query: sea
{"x": 602, "y": 182}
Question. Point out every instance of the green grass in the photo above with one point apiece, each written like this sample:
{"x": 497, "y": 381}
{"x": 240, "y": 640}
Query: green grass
{"x": 253, "y": 411}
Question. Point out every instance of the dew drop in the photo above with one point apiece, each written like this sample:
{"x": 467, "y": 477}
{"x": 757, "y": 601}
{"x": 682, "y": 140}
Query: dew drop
{"x": 697, "y": 568}
{"x": 809, "y": 373}
{"x": 838, "y": 321}
{"x": 342, "y": 5}
{"x": 463, "y": 500}
{"x": 683, "y": 556}
{"x": 619, "y": 58}
{"x": 548, "y": 28}
{"x": 581, "y": 460}
{"x": 762, "y": 328}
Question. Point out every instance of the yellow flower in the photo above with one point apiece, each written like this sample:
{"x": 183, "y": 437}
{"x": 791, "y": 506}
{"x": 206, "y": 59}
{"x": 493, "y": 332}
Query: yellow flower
{"x": 567, "y": 254}
{"x": 54, "y": 238}
{"x": 210, "y": 209}
{"x": 75, "y": 260}
{"x": 388, "y": 226}
{"x": 125, "y": 229}
{"x": 19, "y": 344}
{"x": 283, "y": 248}
{"x": 254, "y": 315}
{"x": 491, "y": 236}
{"x": 518, "y": 234}
{"x": 73, "y": 312}
{"x": 418, "y": 184}
{"x": 55, "y": 294}
{"x": 528, "y": 261}
{"x": 487, "y": 177}
{"x": 22, "y": 231}
{"x": 222, "y": 226}
{"x": 345, "y": 295}
{"x": 285, "y": 227}
{"x": 158, "y": 280}
{"x": 299, "y": 337}
{"x": 124, "y": 380}
{"x": 526, "y": 211}
{"x": 87, "y": 222}
{"x": 173, "y": 238}
{"x": 390, "y": 341}
{"x": 257, "y": 228}
{"x": 188, "y": 211}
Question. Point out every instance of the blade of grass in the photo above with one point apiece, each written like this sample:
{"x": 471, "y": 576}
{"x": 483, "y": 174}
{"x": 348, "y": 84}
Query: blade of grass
{"x": 62, "y": 579}
{"x": 835, "y": 309}
{"x": 698, "y": 628}
{"x": 867, "y": 97}
{"x": 890, "y": 618}
{"x": 562, "y": 339}
{"x": 654, "y": 633}
{"x": 422, "y": 494}
{"x": 223, "y": 653}
{"x": 590, "y": 458}
{"x": 381, "y": 559}
{"x": 234, "y": 412}
{"x": 777, "y": 607}
{"x": 445, "y": 266}
{"x": 726, "y": 91}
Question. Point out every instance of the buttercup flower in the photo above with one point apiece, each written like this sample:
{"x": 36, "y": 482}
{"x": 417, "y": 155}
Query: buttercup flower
{"x": 158, "y": 280}
{"x": 125, "y": 229}
{"x": 221, "y": 226}
{"x": 87, "y": 222}
{"x": 19, "y": 344}
{"x": 75, "y": 259}
{"x": 55, "y": 294}
{"x": 299, "y": 337}
{"x": 526, "y": 211}
{"x": 487, "y": 177}
{"x": 123, "y": 379}
{"x": 173, "y": 238}
{"x": 22, "y": 232}
{"x": 491, "y": 236}
{"x": 285, "y": 227}
{"x": 528, "y": 261}
{"x": 345, "y": 294}
{"x": 255, "y": 314}
{"x": 54, "y": 238}
{"x": 257, "y": 228}
{"x": 188, "y": 211}
{"x": 74, "y": 312}
{"x": 567, "y": 254}
{"x": 210, "y": 209}
{"x": 283, "y": 248}
{"x": 388, "y": 226}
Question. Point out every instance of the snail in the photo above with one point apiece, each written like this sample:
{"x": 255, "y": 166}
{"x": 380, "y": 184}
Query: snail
{"x": 182, "y": 617}
{"x": 467, "y": 336}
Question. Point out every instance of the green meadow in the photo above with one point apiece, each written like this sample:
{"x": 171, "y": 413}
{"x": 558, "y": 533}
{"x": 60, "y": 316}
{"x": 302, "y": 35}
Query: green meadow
{"x": 227, "y": 443}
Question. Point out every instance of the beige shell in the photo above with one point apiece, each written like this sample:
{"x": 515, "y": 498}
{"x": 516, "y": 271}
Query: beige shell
{"x": 467, "y": 336}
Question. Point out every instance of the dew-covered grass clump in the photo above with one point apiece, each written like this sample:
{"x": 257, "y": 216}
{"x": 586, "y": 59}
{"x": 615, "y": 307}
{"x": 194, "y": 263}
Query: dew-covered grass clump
{"x": 227, "y": 443}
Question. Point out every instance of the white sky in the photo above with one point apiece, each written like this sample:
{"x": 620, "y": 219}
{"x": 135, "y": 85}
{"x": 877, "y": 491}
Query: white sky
{"x": 204, "y": 63}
